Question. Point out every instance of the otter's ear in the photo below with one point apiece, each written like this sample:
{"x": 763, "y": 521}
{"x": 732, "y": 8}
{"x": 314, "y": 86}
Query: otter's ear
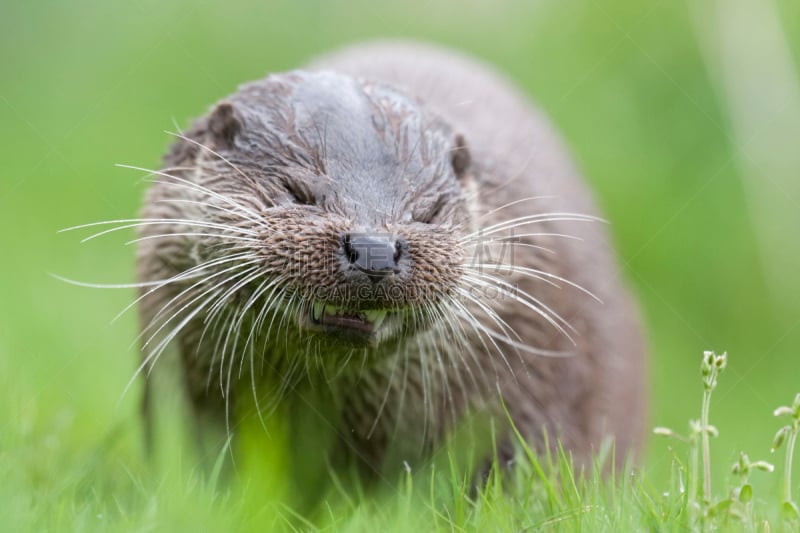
{"x": 223, "y": 125}
{"x": 460, "y": 156}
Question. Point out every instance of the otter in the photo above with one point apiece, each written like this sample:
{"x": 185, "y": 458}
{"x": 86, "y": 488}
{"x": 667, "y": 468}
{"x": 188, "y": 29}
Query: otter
{"x": 383, "y": 243}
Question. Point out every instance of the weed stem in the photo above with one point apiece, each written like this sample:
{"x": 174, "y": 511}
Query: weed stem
{"x": 712, "y": 365}
{"x": 787, "y": 489}
{"x": 706, "y": 446}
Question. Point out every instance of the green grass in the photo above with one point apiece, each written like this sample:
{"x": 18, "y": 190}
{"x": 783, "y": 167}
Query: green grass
{"x": 110, "y": 488}
{"x": 683, "y": 115}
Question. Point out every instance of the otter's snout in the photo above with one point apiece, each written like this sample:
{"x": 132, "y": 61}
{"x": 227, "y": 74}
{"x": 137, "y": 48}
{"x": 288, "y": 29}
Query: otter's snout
{"x": 375, "y": 254}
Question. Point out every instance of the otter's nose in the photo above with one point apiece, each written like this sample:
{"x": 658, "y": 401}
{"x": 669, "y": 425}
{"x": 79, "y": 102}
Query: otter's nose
{"x": 375, "y": 254}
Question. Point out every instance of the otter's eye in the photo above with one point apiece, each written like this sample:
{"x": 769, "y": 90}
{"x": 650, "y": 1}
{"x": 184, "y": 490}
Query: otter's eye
{"x": 301, "y": 196}
{"x": 429, "y": 214}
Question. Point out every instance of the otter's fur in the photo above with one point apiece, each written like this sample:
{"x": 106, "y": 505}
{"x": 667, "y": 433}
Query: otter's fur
{"x": 503, "y": 294}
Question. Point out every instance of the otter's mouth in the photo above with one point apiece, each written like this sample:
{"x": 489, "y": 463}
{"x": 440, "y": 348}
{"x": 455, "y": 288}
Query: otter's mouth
{"x": 364, "y": 323}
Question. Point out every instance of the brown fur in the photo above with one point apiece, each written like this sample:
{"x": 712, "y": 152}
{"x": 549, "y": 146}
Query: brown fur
{"x": 428, "y": 147}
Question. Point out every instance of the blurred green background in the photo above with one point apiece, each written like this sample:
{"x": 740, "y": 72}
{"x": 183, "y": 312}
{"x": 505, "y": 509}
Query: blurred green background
{"x": 683, "y": 115}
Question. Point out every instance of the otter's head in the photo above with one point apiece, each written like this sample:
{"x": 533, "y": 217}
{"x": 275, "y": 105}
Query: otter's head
{"x": 311, "y": 210}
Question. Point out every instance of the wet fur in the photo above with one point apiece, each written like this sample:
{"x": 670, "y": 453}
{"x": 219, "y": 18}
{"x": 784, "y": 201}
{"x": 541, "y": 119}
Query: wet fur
{"x": 507, "y": 288}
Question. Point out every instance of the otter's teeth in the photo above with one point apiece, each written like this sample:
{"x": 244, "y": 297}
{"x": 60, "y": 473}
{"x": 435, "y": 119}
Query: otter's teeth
{"x": 375, "y": 317}
{"x": 317, "y": 311}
